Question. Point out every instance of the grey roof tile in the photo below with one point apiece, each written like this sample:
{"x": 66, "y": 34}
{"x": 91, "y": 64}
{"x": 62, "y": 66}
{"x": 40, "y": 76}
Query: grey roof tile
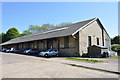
{"x": 63, "y": 31}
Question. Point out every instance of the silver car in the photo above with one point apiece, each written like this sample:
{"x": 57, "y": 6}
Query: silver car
{"x": 50, "y": 52}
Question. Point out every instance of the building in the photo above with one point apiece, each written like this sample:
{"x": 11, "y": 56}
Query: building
{"x": 71, "y": 40}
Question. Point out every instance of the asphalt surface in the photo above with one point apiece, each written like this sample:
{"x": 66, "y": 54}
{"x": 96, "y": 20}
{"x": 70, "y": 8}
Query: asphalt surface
{"x": 24, "y": 66}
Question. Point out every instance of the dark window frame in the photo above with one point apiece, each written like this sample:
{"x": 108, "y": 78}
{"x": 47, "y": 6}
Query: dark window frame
{"x": 97, "y": 41}
{"x": 89, "y": 41}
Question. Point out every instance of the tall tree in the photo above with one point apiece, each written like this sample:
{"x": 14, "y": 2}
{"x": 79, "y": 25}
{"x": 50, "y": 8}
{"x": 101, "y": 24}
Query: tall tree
{"x": 27, "y": 32}
{"x": 12, "y": 33}
{"x": 45, "y": 27}
{"x": 35, "y": 29}
{"x": 4, "y": 38}
{"x": 64, "y": 24}
{"x": 115, "y": 40}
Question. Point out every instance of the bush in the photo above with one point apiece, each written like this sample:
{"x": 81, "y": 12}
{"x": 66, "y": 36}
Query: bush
{"x": 116, "y": 47}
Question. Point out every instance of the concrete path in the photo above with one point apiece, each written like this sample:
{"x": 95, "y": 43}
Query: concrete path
{"x": 108, "y": 64}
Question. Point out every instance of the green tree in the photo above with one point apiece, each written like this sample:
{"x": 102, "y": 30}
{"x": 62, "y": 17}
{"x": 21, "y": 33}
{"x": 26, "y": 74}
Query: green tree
{"x": 64, "y": 24}
{"x": 45, "y": 27}
{"x": 115, "y": 40}
{"x": 22, "y": 34}
{"x": 35, "y": 29}
{"x": 3, "y": 37}
{"x": 27, "y": 32}
{"x": 12, "y": 33}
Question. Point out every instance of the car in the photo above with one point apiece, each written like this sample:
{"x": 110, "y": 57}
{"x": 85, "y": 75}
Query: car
{"x": 31, "y": 51}
{"x": 49, "y": 52}
{"x": 20, "y": 51}
{"x": 7, "y": 50}
{"x": 4, "y": 49}
{"x": 14, "y": 50}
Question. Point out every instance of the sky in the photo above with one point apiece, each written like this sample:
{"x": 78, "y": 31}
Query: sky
{"x": 22, "y": 14}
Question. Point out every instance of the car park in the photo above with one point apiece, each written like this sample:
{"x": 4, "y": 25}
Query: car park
{"x": 31, "y": 51}
{"x": 50, "y": 52}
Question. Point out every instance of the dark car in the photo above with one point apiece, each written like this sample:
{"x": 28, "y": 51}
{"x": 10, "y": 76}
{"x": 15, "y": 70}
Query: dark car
{"x": 31, "y": 51}
{"x": 4, "y": 49}
{"x": 14, "y": 50}
{"x": 20, "y": 51}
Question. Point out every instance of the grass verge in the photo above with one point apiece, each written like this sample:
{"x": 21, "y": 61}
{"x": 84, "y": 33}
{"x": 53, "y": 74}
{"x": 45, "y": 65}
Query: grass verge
{"x": 85, "y": 60}
{"x": 115, "y": 57}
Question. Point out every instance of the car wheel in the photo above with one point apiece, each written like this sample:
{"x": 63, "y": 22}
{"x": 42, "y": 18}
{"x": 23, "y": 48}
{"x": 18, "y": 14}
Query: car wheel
{"x": 56, "y": 54}
{"x": 46, "y": 55}
{"x": 28, "y": 53}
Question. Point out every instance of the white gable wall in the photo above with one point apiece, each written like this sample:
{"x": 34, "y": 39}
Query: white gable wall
{"x": 94, "y": 30}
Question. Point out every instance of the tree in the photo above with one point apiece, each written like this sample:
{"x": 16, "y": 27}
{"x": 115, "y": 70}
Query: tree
{"x": 22, "y": 34}
{"x": 64, "y": 24}
{"x": 115, "y": 40}
{"x": 35, "y": 29}
{"x": 27, "y": 32}
{"x": 12, "y": 33}
{"x": 4, "y": 39}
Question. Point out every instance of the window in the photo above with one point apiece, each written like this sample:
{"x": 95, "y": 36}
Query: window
{"x": 66, "y": 42}
{"x": 97, "y": 41}
{"x": 89, "y": 41}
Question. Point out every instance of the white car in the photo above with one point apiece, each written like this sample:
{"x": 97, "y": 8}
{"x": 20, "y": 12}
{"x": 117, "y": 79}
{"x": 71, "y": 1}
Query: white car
{"x": 50, "y": 52}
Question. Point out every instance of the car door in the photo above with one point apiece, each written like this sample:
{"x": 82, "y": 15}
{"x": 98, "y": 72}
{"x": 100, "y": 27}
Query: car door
{"x": 51, "y": 52}
{"x": 55, "y": 52}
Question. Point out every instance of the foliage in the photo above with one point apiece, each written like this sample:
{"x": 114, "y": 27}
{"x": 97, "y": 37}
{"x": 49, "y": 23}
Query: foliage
{"x": 45, "y": 27}
{"x": 115, "y": 40}
{"x": 35, "y": 29}
{"x": 12, "y": 33}
{"x": 22, "y": 34}
{"x": 86, "y": 60}
{"x": 64, "y": 24}
{"x": 27, "y": 32}
{"x": 116, "y": 47}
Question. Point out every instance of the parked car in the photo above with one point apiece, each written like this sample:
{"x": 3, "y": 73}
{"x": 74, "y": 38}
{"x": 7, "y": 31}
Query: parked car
{"x": 31, "y": 51}
{"x": 4, "y": 49}
{"x": 14, "y": 50}
{"x": 112, "y": 53}
{"x": 7, "y": 50}
{"x": 50, "y": 52}
{"x": 20, "y": 51}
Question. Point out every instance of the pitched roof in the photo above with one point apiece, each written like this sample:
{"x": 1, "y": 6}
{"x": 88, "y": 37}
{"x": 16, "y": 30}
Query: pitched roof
{"x": 63, "y": 31}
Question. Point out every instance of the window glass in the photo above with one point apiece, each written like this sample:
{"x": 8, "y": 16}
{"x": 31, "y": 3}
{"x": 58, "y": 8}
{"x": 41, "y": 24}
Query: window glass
{"x": 97, "y": 41}
{"x": 89, "y": 41}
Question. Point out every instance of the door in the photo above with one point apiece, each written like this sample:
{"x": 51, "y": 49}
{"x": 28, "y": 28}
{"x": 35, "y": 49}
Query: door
{"x": 107, "y": 42}
{"x": 49, "y": 44}
{"x": 51, "y": 52}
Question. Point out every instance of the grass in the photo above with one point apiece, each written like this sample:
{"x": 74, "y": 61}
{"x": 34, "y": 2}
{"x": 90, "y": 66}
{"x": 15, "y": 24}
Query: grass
{"x": 115, "y": 57}
{"x": 85, "y": 60}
